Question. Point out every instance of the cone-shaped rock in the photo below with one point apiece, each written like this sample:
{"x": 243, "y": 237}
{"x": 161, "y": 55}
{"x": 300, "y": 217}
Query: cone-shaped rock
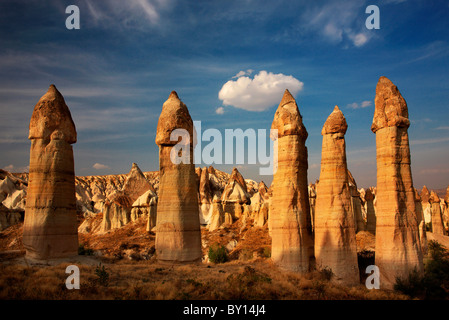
{"x": 50, "y": 226}
{"x": 178, "y": 236}
{"x": 289, "y": 219}
{"x": 398, "y": 249}
{"x": 335, "y": 241}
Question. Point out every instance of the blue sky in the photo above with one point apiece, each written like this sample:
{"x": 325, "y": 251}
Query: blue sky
{"x": 116, "y": 71}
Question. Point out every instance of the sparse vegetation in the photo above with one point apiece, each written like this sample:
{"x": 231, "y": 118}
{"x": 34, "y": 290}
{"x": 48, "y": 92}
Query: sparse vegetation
{"x": 434, "y": 283}
{"x": 217, "y": 254}
{"x": 103, "y": 275}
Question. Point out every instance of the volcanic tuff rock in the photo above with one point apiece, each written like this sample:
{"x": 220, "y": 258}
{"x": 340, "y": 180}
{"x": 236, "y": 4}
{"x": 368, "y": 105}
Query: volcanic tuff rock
{"x": 291, "y": 227}
{"x": 437, "y": 220}
{"x": 335, "y": 241}
{"x": 235, "y": 196}
{"x": 425, "y": 203}
{"x": 118, "y": 206}
{"x": 398, "y": 248}
{"x": 50, "y": 227}
{"x": 178, "y": 236}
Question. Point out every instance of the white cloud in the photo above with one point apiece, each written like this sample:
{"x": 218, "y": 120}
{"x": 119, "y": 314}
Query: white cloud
{"x": 219, "y": 110}
{"x": 442, "y": 128}
{"x": 100, "y": 166}
{"x": 361, "y": 105}
{"x": 260, "y": 93}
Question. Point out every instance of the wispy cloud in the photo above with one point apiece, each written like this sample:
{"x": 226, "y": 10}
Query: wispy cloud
{"x": 442, "y": 128}
{"x": 363, "y": 104}
{"x": 338, "y": 22}
{"x": 130, "y": 14}
{"x": 429, "y": 141}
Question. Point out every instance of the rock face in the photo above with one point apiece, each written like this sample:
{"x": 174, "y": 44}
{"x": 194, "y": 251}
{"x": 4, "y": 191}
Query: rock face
{"x": 205, "y": 196}
{"x": 425, "y": 204}
{"x": 437, "y": 219}
{"x": 118, "y": 206}
{"x": 335, "y": 241}
{"x": 50, "y": 227}
{"x": 235, "y": 196}
{"x": 178, "y": 235}
{"x": 398, "y": 249}
{"x": 290, "y": 221}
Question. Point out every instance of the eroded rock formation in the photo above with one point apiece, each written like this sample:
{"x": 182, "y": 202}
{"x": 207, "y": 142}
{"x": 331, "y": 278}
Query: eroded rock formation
{"x": 290, "y": 221}
{"x": 335, "y": 241}
{"x": 398, "y": 249}
{"x": 437, "y": 219}
{"x": 178, "y": 236}
{"x": 50, "y": 228}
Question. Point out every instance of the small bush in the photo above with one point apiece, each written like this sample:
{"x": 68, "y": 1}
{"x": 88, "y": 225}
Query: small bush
{"x": 103, "y": 275}
{"x": 217, "y": 254}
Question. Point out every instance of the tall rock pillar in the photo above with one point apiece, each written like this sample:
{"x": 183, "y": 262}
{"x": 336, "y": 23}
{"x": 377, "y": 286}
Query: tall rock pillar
{"x": 398, "y": 249}
{"x": 50, "y": 227}
{"x": 335, "y": 241}
{"x": 291, "y": 227}
{"x": 178, "y": 235}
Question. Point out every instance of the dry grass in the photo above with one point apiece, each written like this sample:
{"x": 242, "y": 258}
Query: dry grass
{"x": 155, "y": 281}
{"x": 248, "y": 275}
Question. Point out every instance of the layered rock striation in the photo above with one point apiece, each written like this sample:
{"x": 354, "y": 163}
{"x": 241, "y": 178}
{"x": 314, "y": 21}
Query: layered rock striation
{"x": 178, "y": 236}
{"x": 335, "y": 241}
{"x": 290, "y": 220}
{"x": 50, "y": 227}
{"x": 398, "y": 249}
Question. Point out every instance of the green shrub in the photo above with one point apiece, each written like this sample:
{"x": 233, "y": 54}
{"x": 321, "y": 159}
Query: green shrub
{"x": 217, "y": 254}
{"x": 103, "y": 275}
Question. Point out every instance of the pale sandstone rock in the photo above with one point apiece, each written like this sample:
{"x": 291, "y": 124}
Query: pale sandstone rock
{"x": 425, "y": 204}
{"x": 218, "y": 216}
{"x": 291, "y": 226}
{"x": 335, "y": 240}
{"x": 178, "y": 235}
{"x": 118, "y": 206}
{"x": 50, "y": 228}
{"x": 398, "y": 247}
{"x": 235, "y": 195}
{"x": 360, "y": 220}
{"x": 437, "y": 220}
{"x": 312, "y": 201}
{"x": 418, "y": 204}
